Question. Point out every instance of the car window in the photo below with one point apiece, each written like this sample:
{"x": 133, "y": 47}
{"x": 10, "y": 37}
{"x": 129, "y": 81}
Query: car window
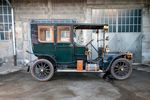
{"x": 63, "y": 33}
{"x": 46, "y": 33}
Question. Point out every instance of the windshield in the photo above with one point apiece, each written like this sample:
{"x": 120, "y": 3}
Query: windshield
{"x": 83, "y": 36}
{"x": 78, "y": 37}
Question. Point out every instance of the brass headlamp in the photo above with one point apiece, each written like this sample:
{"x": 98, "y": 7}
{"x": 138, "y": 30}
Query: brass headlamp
{"x": 129, "y": 55}
{"x": 105, "y": 28}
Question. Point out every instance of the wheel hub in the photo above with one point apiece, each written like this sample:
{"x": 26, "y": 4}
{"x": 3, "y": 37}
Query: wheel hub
{"x": 42, "y": 70}
{"x": 121, "y": 68}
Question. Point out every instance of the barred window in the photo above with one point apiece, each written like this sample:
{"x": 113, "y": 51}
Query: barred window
{"x": 119, "y": 20}
{"x": 5, "y": 20}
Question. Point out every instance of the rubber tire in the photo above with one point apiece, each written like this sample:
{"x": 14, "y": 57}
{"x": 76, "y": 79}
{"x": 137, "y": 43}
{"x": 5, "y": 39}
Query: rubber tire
{"x": 127, "y": 75}
{"x": 51, "y": 71}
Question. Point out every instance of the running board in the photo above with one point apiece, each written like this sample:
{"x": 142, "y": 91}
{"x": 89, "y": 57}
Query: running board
{"x": 59, "y": 70}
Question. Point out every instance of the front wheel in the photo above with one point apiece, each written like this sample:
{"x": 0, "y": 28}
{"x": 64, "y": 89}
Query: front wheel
{"x": 42, "y": 70}
{"x": 121, "y": 69}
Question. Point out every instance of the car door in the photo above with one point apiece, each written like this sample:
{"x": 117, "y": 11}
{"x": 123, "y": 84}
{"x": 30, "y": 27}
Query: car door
{"x": 43, "y": 42}
{"x": 64, "y": 45}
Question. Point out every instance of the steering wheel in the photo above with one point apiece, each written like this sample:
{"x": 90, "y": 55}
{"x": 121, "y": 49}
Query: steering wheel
{"x": 89, "y": 42}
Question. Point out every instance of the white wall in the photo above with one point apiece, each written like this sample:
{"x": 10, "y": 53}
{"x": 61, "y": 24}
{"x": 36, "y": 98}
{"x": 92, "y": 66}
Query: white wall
{"x": 146, "y": 36}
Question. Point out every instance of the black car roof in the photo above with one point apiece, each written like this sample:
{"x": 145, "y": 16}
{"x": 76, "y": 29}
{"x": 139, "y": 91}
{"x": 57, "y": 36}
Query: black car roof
{"x": 88, "y": 26}
{"x": 68, "y": 22}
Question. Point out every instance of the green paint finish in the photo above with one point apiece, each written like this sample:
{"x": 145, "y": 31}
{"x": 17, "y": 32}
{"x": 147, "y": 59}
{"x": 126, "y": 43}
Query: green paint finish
{"x": 79, "y": 50}
{"x": 64, "y": 52}
{"x": 44, "y": 48}
{"x": 80, "y": 53}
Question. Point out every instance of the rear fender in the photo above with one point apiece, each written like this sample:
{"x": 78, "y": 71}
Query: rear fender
{"x": 49, "y": 58}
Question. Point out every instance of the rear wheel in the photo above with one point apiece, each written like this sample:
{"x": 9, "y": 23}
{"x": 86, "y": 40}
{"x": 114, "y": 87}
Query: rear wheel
{"x": 121, "y": 69}
{"x": 42, "y": 70}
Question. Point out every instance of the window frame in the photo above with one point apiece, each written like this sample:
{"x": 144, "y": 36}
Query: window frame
{"x": 70, "y": 29}
{"x": 119, "y": 16}
{"x": 47, "y": 27}
{"x": 6, "y": 21}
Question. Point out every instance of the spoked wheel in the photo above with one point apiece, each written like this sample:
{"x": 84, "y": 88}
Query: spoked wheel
{"x": 121, "y": 69}
{"x": 42, "y": 70}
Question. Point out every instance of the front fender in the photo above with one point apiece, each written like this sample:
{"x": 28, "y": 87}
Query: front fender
{"x": 110, "y": 58}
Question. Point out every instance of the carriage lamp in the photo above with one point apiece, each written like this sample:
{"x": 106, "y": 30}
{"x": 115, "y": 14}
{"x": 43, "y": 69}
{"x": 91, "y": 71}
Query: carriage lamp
{"x": 107, "y": 49}
{"x": 105, "y": 28}
{"x": 129, "y": 55}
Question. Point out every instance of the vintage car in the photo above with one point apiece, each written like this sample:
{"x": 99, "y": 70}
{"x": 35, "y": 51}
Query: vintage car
{"x": 54, "y": 45}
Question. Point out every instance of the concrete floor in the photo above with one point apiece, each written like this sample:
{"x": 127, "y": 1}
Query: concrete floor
{"x": 74, "y": 86}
